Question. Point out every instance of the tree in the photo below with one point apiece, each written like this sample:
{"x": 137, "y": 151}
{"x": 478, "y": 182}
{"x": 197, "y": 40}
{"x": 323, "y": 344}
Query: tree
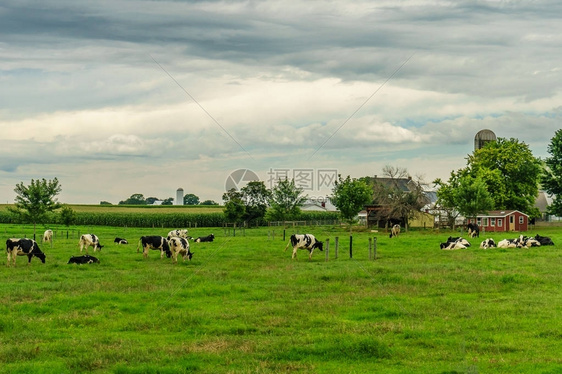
{"x": 168, "y": 201}
{"x": 209, "y": 202}
{"x": 135, "y": 199}
{"x": 473, "y": 197}
{"x": 350, "y": 196}
{"x": 67, "y": 215}
{"x": 256, "y": 197}
{"x": 285, "y": 201}
{"x": 552, "y": 176}
{"x": 511, "y": 174}
{"x": 234, "y": 208}
{"x": 33, "y": 202}
{"x": 105, "y": 203}
{"x": 190, "y": 199}
{"x": 151, "y": 200}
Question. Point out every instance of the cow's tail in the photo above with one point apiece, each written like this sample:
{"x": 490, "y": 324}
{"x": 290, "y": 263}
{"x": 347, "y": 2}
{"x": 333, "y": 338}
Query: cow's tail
{"x": 288, "y": 244}
{"x": 138, "y": 244}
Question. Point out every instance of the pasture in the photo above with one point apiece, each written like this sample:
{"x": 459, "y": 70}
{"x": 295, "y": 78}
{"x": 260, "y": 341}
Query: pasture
{"x": 243, "y": 306}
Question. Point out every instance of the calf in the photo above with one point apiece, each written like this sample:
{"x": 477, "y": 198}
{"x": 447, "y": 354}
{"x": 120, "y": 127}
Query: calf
{"x": 208, "y": 238}
{"x": 179, "y": 246}
{"x": 177, "y": 234}
{"x": 154, "y": 242}
{"x": 86, "y": 259}
{"x": 544, "y": 240}
{"x": 88, "y": 240}
{"x": 395, "y": 231}
{"x": 23, "y": 247}
{"x": 304, "y": 241}
{"x": 120, "y": 241}
{"x": 473, "y": 230}
{"x": 47, "y": 237}
{"x": 488, "y": 243}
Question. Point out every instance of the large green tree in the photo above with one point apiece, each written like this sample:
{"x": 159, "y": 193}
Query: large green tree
{"x": 285, "y": 201}
{"x": 503, "y": 174}
{"x": 135, "y": 199}
{"x": 511, "y": 174}
{"x": 190, "y": 199}
{"x": 234, "y": 207}
{"x": 33, "y": 202}
{"x": 350, "y": 196}
{"x": 256, "y": 198}
{"x": 552, "y": 177}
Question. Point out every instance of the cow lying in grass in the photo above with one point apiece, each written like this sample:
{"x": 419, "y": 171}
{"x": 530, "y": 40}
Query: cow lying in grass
{"x": 488, "y": 243}
{"x": 208, "y": 238}
{"x": 455, "y": 243}
{"x": 86, "y": 259}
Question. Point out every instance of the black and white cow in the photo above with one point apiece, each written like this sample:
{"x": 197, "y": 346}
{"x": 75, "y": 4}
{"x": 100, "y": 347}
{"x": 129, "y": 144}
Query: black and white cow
{"x": 511, "y": 243}
{"x": 488, "y": 243}
{"x": 208, "y": 238}
{"x": 544, "y": 240}
{"x": 120, "y": 241}
{"x": 179, "y": 246}
{"x": 395, "y": 231}
{"x": 47, "y": 237}
{"x": 455, "y": 243}
{"x": 178, "y": 234}
{"x": 158, "y": 243}
{"x": 304, "y": 241}
{"x": 473, "y": 230}
{"x": 90, "y": 240}
{"x": 23, "y": 247}
{"x": 86, "y": 259}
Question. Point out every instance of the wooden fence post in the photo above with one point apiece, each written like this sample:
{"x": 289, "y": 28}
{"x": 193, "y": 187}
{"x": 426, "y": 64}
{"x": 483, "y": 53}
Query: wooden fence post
{"x": 327, "y": 249}
{"x": 350, "y": 246}
{"x": 370, "y": 248}
{"x": 375, "y": 248}
{"x": 337, "y": 245}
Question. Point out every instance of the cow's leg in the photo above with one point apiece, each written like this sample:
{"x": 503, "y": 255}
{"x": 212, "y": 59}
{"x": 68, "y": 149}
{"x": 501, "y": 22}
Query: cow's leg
{"x": 294, "y": 252}
{"x": 161, "y": 254}
{"x": 310, "y": 253}
{"x": 145, "y": 252}
{"x": 9, "y": 258}
{"x": 29, "y": 259}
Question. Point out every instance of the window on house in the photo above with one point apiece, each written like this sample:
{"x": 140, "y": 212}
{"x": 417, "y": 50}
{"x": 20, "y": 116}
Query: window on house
{"x": 521, "y": 220}
{"x": 500, "y": 222}
{"x": 479, "y": 221}
{"x": 485, "y": 221}
{"x": 511, "y": 219}
{"x": 492, "y": 222}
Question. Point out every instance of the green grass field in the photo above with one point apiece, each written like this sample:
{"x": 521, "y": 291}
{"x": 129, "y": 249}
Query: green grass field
{"x": 243, "y": 306}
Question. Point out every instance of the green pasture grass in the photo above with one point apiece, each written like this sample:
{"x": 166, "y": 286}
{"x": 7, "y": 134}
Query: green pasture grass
{"x": 242, "y": 305}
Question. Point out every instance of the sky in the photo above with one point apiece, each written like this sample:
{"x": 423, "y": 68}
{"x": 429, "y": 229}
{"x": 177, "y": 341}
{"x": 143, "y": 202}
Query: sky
{"x": 115, "y": 98}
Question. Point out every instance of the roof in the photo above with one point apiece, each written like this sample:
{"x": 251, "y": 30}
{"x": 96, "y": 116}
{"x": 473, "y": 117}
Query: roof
{"x": 541, "y": 202}
{"x": 403, "y": 184}
{"x": 501, "y": 213}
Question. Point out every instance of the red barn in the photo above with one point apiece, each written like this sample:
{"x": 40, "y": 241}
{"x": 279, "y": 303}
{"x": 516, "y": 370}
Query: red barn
{"x": 502, "y": 220}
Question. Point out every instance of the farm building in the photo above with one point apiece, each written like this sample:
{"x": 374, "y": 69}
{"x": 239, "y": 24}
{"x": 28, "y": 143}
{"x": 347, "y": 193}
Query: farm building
{"x": 502, "y": 220}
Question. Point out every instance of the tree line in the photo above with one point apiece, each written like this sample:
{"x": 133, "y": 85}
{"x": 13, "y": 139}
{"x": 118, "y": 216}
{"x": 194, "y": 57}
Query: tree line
{"x": 503, "y": 174}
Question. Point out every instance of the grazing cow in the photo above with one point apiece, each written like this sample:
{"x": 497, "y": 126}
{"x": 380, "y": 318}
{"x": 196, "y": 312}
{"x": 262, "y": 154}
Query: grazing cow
{"x": 23, "y": 247}
{"x": 179, "y": 246}
{"x": 120, "y": 241}
{"x": 177, "y": 234}
{"x": 158, "y": 243}
{"x": 395, "y": 231}
{"x": 304, "y": 241}
{"x": 86, "y": 259}
{"x": 208, "y": 238}
{"x": 544, "y": 240}
{"x": 88, "y": 240}
{"x": 47, "y": 237}
{"x": 488, "y": 243}
{"x": 473, "y": 230}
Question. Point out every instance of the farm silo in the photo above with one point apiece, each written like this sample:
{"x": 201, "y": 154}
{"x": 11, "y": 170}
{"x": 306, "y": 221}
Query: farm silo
{"x": 179, "y": 197}
{"x": 482, "y": 137}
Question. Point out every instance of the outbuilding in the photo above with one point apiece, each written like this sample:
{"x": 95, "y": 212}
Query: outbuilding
{"x": 502, "y": 221}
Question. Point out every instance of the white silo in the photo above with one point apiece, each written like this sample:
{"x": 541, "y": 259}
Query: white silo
{"x": 483, "y": 137}
{"x": 179, "y": 196}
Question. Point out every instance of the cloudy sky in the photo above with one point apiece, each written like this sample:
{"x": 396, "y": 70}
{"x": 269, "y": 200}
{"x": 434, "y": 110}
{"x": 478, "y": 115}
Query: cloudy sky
{"x": 121, "y": 97}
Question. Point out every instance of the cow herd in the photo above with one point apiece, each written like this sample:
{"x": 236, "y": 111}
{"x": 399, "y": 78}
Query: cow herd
{"x": 174, "y": 245}
{"x": 519, "y": 242}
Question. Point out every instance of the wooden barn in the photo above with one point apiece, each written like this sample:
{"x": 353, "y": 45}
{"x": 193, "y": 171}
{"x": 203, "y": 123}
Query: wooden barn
{"x": 502, "y": 221}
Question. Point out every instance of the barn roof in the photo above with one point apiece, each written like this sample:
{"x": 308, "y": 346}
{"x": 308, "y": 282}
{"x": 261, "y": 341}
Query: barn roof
{"x": 501, "y": 213}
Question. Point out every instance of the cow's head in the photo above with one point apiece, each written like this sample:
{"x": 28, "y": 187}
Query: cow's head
{"x": 40, "y": 256}
{"x": 319, "y": 245}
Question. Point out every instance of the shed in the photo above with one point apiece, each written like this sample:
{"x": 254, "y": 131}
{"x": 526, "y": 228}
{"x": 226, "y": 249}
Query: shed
{"x": 502, "y": 221}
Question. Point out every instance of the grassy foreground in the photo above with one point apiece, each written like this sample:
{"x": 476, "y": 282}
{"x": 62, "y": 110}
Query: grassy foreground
{"x": 243, "y": 306}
